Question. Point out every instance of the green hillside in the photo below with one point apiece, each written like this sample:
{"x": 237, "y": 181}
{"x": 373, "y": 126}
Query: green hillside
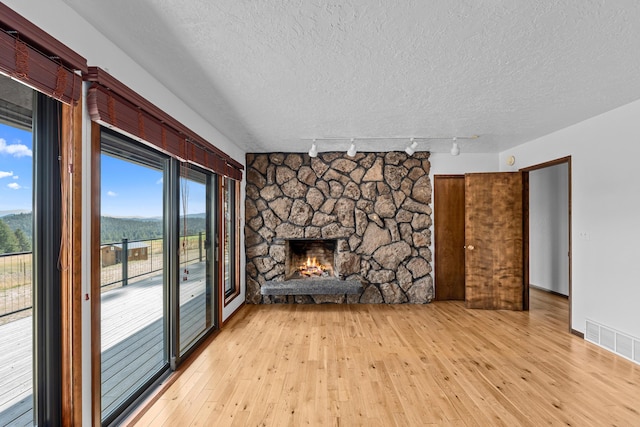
{"x": 112, "y": 229}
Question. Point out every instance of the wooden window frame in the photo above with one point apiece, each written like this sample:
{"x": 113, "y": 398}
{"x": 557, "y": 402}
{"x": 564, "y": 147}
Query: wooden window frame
{"x": 235, "y": 245}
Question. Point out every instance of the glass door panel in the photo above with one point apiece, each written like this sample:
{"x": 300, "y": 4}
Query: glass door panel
{"x": 16, "y": 242}
{"x": 194, "y": 283}
{"x": 133, "y": 337}
{"x": 229, "y": 242}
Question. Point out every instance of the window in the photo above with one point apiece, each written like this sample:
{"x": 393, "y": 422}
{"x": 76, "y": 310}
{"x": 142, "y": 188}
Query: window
{"x": 230, "y": 244}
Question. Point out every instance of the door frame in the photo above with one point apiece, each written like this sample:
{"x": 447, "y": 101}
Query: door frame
{"x": 525, "y": 206}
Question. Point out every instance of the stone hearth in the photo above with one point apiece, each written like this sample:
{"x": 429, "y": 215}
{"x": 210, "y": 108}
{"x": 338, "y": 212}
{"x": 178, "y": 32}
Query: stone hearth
{"x": 322, "y": 286}
{"x": 374, "y": 205}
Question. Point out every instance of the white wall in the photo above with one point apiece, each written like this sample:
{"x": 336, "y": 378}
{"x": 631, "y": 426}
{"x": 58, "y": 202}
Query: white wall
{"x": 549, "y": 228}
{"x": 605, "y": 204}
{"x": 446, "y": 164}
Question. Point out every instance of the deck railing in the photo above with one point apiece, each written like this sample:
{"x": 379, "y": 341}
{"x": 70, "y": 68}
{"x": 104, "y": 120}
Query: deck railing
{"x": 15, "y": 282}
{"x": 144, "y": 257}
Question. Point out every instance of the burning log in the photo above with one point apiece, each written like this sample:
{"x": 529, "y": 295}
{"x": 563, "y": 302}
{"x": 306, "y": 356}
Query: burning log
{"x": 312, "y": 268}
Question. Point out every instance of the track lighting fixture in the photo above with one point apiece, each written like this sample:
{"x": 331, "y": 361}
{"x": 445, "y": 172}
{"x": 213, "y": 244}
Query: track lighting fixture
{"x": 313, "y": 151}
{"x": 352, "y": 149}
{"x": 412, "y": 147}
{"x": 455, "y": 150}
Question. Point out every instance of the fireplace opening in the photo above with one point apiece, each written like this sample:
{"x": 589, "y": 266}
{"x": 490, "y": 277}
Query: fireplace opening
{"x": 309, "y": 259}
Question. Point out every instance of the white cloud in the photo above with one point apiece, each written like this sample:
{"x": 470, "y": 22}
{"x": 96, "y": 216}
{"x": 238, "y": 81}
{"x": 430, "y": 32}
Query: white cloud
{"x": 14, "y": 186}
{"x": 159, "y": 181}
{"x": 111, "y": 193}
{"x": 16, "y": 177}
{"x": 15, "y": 150}
{"x": 4, "y": 174}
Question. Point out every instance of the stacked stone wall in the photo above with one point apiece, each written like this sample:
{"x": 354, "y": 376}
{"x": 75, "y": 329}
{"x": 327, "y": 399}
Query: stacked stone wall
{"x": 375, "y": 204}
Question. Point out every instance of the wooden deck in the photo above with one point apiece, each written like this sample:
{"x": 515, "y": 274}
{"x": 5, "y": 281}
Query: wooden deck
{"x": 132, "y": 343}
{"x": 15, "y": 373}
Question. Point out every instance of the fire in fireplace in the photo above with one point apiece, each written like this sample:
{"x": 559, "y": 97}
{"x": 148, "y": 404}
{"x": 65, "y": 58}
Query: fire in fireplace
{"x": 308, "y": 259}
{"x": 312, "y": 267}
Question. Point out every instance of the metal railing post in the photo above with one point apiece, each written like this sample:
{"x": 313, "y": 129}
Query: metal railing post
{"x": 125, "y": 262}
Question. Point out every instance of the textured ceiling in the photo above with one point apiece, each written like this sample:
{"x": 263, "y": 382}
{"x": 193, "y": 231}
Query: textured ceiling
{"x": 268, "y": 73}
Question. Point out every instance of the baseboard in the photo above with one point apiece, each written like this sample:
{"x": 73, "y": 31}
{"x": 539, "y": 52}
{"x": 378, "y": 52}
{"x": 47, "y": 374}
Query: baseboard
{"x": 577, "y": 333}
{"x": 548, "y": 291}
{"x": 224, "y": 322}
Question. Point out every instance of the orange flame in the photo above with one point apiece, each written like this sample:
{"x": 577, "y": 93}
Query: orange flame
{"x": 312, "y": 267}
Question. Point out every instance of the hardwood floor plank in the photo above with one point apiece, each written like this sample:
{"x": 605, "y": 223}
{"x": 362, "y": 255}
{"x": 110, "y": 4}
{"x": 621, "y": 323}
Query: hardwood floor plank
{"x": 386, "y": 365}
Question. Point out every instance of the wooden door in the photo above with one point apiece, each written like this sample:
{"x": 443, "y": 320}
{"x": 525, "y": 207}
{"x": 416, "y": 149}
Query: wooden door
{"x": 494, "y": 263}
{"x": 449, "y": 236}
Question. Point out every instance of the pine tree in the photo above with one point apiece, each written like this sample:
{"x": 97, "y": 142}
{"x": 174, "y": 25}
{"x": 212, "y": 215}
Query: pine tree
{"x": 24, "y": 245}
{"x": 8, "y": 241}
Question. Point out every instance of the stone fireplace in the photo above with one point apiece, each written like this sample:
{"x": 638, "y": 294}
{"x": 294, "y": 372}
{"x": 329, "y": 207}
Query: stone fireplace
{"x": 365, "y": 219}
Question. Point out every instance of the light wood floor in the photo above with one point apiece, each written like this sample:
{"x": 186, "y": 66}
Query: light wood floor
{"x": 404, "y": 365}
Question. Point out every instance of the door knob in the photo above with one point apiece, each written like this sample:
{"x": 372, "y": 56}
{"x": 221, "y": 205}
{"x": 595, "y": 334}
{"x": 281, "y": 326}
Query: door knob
{"x": 470, "y": 247}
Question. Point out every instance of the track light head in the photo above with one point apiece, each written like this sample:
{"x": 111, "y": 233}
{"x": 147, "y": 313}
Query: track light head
{"x": 412, "y": 147}
{"x": 455, "y": 150}
{"x": 352, "y": 148}
{"x": 313, "y": 151}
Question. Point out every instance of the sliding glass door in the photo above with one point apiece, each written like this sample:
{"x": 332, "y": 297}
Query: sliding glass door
{"x": 157, "y": 267}
{"x": 16, "y": 256}
{"x": 31, "y": 216}
{"x": 133, "y": 323}
{"x": 195, "y": 282}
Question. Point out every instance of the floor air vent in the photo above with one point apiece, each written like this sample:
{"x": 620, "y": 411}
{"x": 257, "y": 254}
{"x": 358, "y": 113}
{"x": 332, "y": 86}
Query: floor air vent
{"x": 624, "y": 346}
{"x": 593, "y": 333}
{"x": 619, "y": 343}
{"x": 608, "y": 338}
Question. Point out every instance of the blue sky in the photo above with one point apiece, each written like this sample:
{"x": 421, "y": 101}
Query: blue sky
{"x": 128, "y": 189}
{"x": 16, "y": 159}
{"x": 132, "y": 190}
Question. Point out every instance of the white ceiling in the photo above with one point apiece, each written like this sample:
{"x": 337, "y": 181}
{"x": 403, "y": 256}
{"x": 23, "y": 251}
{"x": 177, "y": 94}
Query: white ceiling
{"x": 268, "y": 73}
